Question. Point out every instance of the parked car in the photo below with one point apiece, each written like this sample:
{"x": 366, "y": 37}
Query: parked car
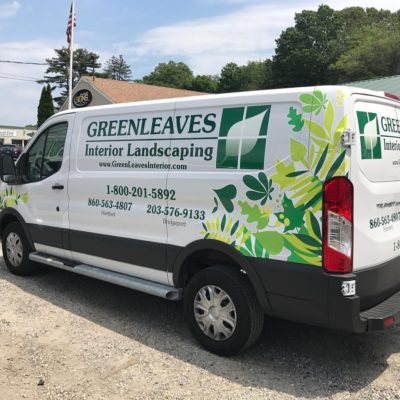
{"x": 13, "y": 150}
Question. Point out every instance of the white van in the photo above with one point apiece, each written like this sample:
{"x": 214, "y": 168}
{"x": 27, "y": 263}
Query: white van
{"x": 281, "y": 202}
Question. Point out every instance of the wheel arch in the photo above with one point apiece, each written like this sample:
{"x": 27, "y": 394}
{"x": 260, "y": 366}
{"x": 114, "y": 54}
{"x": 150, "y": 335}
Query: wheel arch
{"x": 205, "y": 253}
{"x": 8, "y": 215}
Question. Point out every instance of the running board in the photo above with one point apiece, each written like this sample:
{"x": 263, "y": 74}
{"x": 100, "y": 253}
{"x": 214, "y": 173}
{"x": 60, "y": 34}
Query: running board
{"x": 131, "y": 282}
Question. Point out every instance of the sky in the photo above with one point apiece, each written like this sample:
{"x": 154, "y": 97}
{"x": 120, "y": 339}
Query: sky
{"x": 205, "y": 34}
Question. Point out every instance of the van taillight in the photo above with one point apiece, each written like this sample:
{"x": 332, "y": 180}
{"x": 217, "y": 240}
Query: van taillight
{"x": 337, "y": 238}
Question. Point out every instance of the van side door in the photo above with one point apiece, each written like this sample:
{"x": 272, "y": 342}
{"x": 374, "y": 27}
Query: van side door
{"x": 44, "y": 173}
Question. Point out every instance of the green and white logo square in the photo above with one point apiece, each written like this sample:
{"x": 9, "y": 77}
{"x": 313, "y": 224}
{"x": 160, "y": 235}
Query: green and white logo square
{"x": 369, "y": 135}
{"x": 242, "y": 137}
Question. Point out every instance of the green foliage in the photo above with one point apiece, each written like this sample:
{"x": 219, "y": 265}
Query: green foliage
{"x": 226, "y": 195}
{"x": 232, "y": 79}
{"x": 57, "y": 71}
{"x": 253, "y": 76}
{"x": 254, "y": 214}
{"x": 46, "y": 106}
{"x": 272, "y": 241}
{"x": 291, "y": 216}
{"x": 298, "y": 152}
{"x": 10, "y": 197}
{"x": 117, "y": 68}
{"x": 327, "y": 46}
{"x": 314, "y": 103}
{"x": 290, "y": 224}
{"x": 305, "y": 51}
{"x": 261, "y": 188}
{"x": 205, "y": 83}
{"x": 257, "y": 75}
{"x": 171, "y": 74}
{"x": 295, "y": 119}
{"x": 375, "y": 52}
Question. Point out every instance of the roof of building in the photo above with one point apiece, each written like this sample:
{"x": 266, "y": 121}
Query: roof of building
{"x": 389, "y": 84}
{"x": 124, "y": 92}
{"x": 17, "y": 127}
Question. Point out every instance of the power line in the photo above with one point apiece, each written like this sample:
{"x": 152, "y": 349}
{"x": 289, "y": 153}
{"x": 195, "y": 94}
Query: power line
{"x": 6, "y": 74}
{"x": 17, "y": 79}
{"x": 21, "y": 62}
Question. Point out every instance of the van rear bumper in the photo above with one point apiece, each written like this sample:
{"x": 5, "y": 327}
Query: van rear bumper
{"x": 308, "y": 294}
{"x": 383, "y": 314}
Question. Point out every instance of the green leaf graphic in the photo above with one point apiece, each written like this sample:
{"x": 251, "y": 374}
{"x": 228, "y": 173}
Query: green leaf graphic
{"x": 296, "y": 173}
{"x": 261, "y": 188}
{"x": 340, "y": 127}
{"x": 313, "y": 102}
{"x": 226, "y": 195}
{"x": 282, "y": 171}
{"x": 317, "y": 130}
{"x": 254, "y": 214}
{"x": 234, "y": 227}
{"x": 216, "y": 206}
{"x": 321, "y": 160}
{"x": 223, "y": 222}
{"x": 336, "y": 165}
{"x": 295, "y": 119}
{"x": 315, "y": 226}
{"x": 329, "y": 116}
{"x": 272, "y": 241}
{"x": 298, "y": 151}
{"x": 291, "y": 216}
{"x": 251, "y": 182}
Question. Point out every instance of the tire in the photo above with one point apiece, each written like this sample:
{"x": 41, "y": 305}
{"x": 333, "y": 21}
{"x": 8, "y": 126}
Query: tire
{"x": 222, "y": 311}
{"x": 16, "y": 250}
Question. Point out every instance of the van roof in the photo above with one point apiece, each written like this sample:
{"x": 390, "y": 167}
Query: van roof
{"x": 293, "y": 91}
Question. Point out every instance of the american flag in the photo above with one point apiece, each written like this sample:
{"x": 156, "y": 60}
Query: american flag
{"x": 71, "y": 23}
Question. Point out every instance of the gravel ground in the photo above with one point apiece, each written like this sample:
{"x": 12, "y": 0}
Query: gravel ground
{"x": 63, "y": 336}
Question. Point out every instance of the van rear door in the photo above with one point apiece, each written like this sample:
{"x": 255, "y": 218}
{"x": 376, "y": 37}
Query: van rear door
{"x": 375, "y": 173}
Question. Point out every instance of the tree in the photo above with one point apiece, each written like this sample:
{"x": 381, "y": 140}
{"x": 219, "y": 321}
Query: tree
{"x": 57, "y": 70}
{"x": 171, "y": 74}
{"x": 257, "y": 75}
{"x": 118, "y": 69}
{"x": 46, "y": 106}
{"x": 232, "y": 79}
{"x": 205, "y": 83}
{"x": 307, "y": 53}
{"x": 304, "y": 52}
{"x": 377, "y": 54}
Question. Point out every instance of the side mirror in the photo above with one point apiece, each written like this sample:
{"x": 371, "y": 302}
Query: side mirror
{"x": 7, "y": 169}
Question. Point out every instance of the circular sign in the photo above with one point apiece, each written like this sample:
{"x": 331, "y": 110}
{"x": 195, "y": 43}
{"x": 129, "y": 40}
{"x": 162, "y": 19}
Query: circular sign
{"x": 82, "y": 98}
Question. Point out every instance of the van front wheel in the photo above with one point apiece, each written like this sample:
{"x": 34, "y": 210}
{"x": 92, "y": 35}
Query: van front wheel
{"x": 222, "y": 311}
{"x": 16, "y": 250}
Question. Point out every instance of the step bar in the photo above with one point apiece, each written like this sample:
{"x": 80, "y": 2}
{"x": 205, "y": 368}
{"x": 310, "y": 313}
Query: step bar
{"x": 131, "y": 282}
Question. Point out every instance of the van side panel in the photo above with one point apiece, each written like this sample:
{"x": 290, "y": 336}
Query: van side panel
{"x": 261, "y": 191}
{"x": 112, "y": 158}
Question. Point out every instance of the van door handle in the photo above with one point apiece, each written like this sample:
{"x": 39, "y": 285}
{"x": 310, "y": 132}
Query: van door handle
{"x": 57, "y": 187}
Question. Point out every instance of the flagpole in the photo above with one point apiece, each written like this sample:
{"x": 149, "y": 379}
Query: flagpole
{"x": 71, "y": 57}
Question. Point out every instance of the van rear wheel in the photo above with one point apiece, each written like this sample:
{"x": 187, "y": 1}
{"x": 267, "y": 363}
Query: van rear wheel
{"x": 16, "y": 250}
{"x": 222, "y": 311}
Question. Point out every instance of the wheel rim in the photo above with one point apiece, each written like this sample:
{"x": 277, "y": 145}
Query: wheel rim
{"x": 14, "y": 249}
{"x": 215, "y": 312}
